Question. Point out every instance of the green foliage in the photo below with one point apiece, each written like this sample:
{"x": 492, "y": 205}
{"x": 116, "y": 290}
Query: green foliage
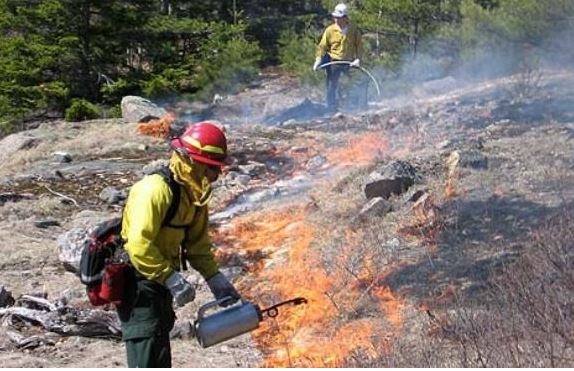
{"x": 52, "y": 51}
{"x": 114, "y": 91}
{"x": 227, "y": 61}
{"x": 55, "y": 94}
{"x": 401, "y": 25}
{"x": 114, "y": 112}
{"x": 80, "y": 110}
{"x": 158, "y": 87}
{"x": 297, "y": 54}
{"x": 497, "y": 39}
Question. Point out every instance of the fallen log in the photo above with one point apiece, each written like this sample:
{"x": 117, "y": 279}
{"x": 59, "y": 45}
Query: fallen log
{"x": 65, "y": 321}
{"x": 30, "y": 342}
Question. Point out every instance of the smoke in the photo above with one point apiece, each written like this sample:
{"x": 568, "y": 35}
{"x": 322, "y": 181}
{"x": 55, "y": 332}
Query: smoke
{"x": 528, "y": 44}
{"x": 444, "y": 62}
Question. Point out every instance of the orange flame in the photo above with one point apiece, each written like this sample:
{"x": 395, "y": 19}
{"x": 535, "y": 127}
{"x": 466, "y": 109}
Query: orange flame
{"x": 328, "y": 330}
{"x": 452, "y": 164}
{"x": 361, "y": 149}
{"x": 157, "y": 128}
{"x": 450, "y": 188}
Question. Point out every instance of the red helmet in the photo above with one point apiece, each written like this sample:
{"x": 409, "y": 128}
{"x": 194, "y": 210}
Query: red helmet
{"x": 204, "y": 142}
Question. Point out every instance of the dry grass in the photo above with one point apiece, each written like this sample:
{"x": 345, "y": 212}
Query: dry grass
{"x": 523, "y": 319}
{"x": 89, "y": 139}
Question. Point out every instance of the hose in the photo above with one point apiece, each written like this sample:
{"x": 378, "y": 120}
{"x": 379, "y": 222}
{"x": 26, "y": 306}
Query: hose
{"x": 364, "y": 70}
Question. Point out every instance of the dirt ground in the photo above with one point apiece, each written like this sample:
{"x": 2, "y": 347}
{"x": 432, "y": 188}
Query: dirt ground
{"x": 486, "y": 211}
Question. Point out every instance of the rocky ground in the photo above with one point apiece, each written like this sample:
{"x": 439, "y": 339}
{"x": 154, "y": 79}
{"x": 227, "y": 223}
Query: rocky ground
{"x": 492, "y": 161}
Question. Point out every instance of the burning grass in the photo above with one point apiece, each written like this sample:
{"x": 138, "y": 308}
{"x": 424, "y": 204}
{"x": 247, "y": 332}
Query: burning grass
{"x": 361, "y": 149}
{"x": 349, "y": 312}
{"x": 159, "y": 128}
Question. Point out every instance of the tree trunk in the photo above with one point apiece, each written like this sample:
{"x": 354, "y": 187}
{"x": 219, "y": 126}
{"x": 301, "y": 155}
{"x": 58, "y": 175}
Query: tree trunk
{"x": 166, "y": 7}
{"x": 85, "y": 88}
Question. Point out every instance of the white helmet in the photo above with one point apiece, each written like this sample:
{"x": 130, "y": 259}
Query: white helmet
{"x": 340, "y": 11}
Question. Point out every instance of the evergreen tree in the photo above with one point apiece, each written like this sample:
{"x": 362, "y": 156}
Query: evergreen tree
{"x": 401, "y": 23}
{"x": 28, "y": 59}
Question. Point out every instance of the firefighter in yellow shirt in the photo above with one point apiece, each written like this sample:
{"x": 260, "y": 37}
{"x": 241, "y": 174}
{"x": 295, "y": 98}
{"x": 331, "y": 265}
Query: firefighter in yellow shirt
{"x": 341, "y": 41}
{"x": 157, "y": 250}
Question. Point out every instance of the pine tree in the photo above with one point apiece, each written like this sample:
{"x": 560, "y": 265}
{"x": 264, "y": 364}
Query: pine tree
{"x": 401, "y": 23}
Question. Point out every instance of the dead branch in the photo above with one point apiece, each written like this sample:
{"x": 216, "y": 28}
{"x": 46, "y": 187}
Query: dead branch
{"x": 62, "y": 196}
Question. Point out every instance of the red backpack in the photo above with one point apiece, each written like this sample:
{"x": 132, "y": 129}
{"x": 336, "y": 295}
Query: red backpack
{"x": 104, "y": 261}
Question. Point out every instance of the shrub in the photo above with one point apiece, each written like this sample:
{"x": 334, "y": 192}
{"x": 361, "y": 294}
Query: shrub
{"x": 80, "y": 110}
{"x": 228, "y": 61}
{"x": 297, "y": 54}
{"x": 113, "y": 112}
{"x": 114, "y": 92}
{"x": 158, "y": 86}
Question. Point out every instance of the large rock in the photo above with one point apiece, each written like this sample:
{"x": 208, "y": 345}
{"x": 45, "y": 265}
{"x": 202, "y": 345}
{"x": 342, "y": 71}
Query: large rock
{"x": 394, "y": 178}
{"x": 70, "y": 243}
{"x": 377, "y": 206}
{"x": 15, "y": 142}
{"x": 138, "y": 109}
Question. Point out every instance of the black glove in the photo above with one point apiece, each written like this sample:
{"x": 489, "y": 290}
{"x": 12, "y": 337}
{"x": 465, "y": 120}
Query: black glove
{"x": 221, "y": 288}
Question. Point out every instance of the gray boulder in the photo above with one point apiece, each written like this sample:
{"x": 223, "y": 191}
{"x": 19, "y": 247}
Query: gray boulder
{"x": 394, "y": 178}
{"x": 15, "y": 142}
{"x": 253, "y": 169}
{"x": 70, "y": 248}
{"x": 377, "y": 206}
{"x": 70, "y": 243}
{"x": 138, "y": 109}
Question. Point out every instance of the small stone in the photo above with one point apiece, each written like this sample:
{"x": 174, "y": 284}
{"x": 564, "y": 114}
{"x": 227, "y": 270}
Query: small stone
{"x": 243, "y": 179}
{"x": 112, "y": 196}
{"x": 253, "y": 168}
{"x": 46, "y": 223}
{"x": 62, "y": 157}
{"x": 6, "y": 298}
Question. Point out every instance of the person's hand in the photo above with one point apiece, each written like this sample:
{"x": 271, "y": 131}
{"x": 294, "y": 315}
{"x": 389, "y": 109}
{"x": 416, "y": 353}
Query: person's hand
{"x": 221, "y": 288}
{"x": 316, "y": 64}
{"x": 180, "y": 289}
{"x": 355, "y": 63}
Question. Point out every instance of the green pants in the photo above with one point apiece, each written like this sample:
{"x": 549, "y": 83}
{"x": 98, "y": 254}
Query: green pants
{"x": 147, "y": 317}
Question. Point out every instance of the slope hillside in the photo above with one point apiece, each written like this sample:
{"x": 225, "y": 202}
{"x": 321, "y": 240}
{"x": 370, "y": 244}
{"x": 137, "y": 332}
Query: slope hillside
{"x": 466, "y": 261}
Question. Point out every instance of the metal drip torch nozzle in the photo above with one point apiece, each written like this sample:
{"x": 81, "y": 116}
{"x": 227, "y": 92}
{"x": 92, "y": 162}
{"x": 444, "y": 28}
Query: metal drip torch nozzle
{"x": 233, "y": 321}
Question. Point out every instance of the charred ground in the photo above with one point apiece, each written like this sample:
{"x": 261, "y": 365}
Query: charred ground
{"x": 434, "y": 282}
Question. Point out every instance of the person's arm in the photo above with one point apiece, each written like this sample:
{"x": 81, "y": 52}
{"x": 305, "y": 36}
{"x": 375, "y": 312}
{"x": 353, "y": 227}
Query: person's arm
{"x": 323, "y": 46}
{"x": 199, "y": 246}
{"x": 145, "y": 210}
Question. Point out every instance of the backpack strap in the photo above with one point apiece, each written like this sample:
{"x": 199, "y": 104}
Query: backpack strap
{"x": 175, "y": 188}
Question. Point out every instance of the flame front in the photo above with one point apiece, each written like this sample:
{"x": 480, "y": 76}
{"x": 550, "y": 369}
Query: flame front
{"x": 158, "y": 128}
{"x": 329, "y": 330}
{"x": 360, "y": 149}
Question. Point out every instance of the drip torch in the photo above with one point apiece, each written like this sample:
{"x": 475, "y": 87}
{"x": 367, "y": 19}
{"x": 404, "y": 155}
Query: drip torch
{"x": 233, "y": 321}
